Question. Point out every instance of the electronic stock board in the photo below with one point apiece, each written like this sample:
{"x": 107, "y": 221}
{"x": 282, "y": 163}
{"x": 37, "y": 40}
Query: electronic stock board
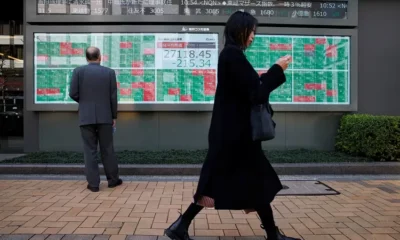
{"x": 319, "y": 73}
{"x": 174, "y": 66}
{"x": 292, "y": 9}
{"x": 333, "y": 12}
{"x": 150, "y": 67}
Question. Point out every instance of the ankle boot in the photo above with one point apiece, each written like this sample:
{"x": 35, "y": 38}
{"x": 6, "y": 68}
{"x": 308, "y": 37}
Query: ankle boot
{"x": 279, "y": 235}
{"x": 178, "y": 230}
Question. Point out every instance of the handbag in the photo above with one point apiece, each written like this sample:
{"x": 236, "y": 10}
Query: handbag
{"x": 263, "y": 127}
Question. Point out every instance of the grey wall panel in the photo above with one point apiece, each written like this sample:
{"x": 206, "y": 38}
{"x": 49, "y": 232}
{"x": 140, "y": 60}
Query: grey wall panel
{"x": 59, "y": 131}
{"x": 31, "y": 131}
{"x": 31, "y": 119}
{"x": 379, "y": 75}
{"x": 138, "y": 131}
{"x": 311, "y": 130}
{"x": 184, "y": 130}
{"x": 168, "y": 130}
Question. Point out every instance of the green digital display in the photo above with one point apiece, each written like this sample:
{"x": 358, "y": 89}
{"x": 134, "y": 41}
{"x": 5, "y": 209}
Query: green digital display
{"x": 181, "y": 68}
{"x": 150, "y": 67}
{"x": 319, "y": 73}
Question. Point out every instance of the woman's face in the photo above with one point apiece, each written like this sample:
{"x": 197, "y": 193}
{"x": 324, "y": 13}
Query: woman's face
{"x": 250, "y": 38}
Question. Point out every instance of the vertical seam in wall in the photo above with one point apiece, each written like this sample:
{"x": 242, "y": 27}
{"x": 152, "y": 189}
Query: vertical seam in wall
{"x": 286, "y": 147}
{"x": 158, "y": 131}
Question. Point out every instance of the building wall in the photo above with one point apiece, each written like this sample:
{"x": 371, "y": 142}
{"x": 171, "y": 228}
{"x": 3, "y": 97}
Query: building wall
{"x": 379, "y": 77}
{"x": 379, "y": 65}
{"x": 169, "y": 130}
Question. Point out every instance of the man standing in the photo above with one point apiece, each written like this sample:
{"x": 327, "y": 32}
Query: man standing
{"x": 94, "y": 88}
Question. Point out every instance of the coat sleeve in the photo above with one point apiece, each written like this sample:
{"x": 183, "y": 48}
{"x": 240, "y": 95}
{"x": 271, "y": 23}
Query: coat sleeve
{"x": 257, "y": 88}
{"x": 74, "y": 86}
{"x": 114, "y": 95}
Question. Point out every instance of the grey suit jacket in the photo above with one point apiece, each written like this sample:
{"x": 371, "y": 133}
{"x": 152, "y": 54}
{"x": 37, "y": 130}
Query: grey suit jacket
{"x": 94, "y": 87}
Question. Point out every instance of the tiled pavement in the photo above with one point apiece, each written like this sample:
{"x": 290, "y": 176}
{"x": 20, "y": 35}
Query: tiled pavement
{"x": 35, "y": 209}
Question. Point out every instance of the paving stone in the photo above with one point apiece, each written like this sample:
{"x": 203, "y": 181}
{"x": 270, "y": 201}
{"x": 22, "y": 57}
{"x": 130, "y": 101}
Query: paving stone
{"x": 118, "y": 237}
{"x": 391, "y": 185}
{"x": 39, "y": 237}
{"x": 250, "y": 238}
{"x": 141, "y": 238}
{"x": 55, "y": 237}
{"x": 365, "y": 184}
{"x": 163, "y": 238}
{"x": 101, "y": 237}
{"x": 78, "y": 237}
{"x": 205, "y": 238}
{"x": 386, "y": 189}
{"x": 307, "y": 209}
{"x": 16, "y": 237}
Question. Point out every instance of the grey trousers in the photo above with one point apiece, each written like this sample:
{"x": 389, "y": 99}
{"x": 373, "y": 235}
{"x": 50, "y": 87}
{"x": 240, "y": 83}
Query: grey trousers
{"x": 102, "y": 135}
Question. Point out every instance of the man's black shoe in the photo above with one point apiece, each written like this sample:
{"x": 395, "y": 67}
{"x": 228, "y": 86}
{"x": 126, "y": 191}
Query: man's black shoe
{"x": 113, "y": 185}
{"x": 93, "y": 189}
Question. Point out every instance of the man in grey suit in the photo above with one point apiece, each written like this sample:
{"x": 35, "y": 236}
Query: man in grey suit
{"x": 94, "y": 88}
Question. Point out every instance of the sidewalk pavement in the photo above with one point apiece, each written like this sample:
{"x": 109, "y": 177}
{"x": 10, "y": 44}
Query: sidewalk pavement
{"x": 42, "y": 209}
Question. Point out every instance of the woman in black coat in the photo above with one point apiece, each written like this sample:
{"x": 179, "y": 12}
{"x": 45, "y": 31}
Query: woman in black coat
{"x": 236, "y": 175}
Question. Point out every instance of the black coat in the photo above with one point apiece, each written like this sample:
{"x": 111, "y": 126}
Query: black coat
{"x": 236, "y": 173}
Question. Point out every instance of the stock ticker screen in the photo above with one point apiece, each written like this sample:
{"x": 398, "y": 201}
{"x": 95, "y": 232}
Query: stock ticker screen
{"x": 319, "y": 73}
{"x": 150, "y": 67}
{"x": 207, "y": 8}
{"x": 181, "y": 68}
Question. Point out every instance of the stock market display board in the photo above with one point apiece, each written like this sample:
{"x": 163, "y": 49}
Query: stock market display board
{"x": 181, "y": 68}
{"x": 150, "y": 67}
{"x": 319, "y": 73}
{"x": 263, "y": 8}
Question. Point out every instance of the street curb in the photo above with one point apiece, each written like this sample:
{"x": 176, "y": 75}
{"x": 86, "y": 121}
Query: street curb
{"x": 194, "y": 170}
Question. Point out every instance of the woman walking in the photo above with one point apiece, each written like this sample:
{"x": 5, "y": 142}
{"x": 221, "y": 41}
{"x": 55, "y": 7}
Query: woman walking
{"x": 236, "y": 175}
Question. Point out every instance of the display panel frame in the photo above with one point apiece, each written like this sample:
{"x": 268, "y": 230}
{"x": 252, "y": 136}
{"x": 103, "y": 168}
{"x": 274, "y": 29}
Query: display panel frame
{"x": 353, "y": 68}
{"x": 31, "y": 16}
{"x": 30, "y": 68}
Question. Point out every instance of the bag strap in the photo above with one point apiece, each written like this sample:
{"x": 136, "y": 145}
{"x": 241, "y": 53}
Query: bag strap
{"x": 269, "y": 109}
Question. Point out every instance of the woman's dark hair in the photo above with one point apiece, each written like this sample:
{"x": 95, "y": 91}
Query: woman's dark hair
{"x": 238, "y": 28}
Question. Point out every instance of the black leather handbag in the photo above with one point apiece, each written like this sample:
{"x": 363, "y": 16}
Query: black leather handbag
{"x": 263, "y": 127}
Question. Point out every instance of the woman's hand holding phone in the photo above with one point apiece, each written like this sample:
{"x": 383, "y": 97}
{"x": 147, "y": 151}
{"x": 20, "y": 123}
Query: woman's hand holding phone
{"x": 284, "y": 61}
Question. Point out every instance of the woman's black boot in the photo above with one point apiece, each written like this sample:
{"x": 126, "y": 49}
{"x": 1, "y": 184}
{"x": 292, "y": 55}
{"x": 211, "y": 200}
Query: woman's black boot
{"x": 279, "y": 235}
{"x": 178, "y": 230}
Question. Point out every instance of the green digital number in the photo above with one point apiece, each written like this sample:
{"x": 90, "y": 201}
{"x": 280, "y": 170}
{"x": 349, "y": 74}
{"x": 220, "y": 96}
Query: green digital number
{"x": 185, "y": 63}
{"x": 204, "y": 63}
